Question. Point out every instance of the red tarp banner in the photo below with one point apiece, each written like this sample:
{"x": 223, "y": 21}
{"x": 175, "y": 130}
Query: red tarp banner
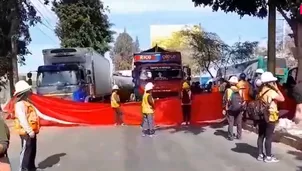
{"x": 206, "y": 107}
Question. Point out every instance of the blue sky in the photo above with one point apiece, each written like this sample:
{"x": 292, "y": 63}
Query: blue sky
{"x": 137, "y": 16}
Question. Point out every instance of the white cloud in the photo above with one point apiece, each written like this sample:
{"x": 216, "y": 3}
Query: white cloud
{"x": 139, "y": 6}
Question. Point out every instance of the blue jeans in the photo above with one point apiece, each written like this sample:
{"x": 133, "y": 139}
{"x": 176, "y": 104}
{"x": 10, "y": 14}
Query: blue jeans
{"x": 148, "y": 123}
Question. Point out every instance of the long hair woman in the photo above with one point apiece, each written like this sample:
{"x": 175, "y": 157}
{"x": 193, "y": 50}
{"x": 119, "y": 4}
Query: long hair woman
{"x": 270, "y": 94}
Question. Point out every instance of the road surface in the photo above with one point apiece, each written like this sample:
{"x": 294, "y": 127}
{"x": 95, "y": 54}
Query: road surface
{"x": 123, "y": 149}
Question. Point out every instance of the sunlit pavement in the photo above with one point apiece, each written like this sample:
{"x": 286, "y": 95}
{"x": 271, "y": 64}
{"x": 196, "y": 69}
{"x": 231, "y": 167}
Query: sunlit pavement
{"x": 123, "y": 149}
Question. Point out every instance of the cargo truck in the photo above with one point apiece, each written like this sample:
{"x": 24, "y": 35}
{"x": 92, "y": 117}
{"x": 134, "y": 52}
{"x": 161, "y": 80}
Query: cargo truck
{"x": 161, "y": 67}
{"x": 79, "y": 74}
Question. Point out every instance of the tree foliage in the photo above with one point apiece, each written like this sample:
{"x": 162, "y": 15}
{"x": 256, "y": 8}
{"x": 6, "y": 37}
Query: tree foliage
{"x": 17, "y": 16}
{"x": 179, "y": 42}
{"x": 289, "y": 9}
{"x": 210, "y": 51}
{"x": 207, "y": 48}
{"x": 136, "y": 45}
{"x": 83, "y": 23}
{"x": 122, "y": 52}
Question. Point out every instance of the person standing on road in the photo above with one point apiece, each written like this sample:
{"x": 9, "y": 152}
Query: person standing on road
{"x": 148, "y": 111}
{"x": 116, "y": 105}
{"x": 4, "y": 144}
{"x": 27, "y": 124}
{"x": 234, "y": 107}
{"x": 186, "y": 98}
{"x": 270, "y": 94}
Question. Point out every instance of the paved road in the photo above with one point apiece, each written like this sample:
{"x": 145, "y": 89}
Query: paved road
{"x": 123, "y": 149}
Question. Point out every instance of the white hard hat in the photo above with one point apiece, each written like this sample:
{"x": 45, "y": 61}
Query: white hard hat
{"x": 21, "y": 86}
{"x": 233, "y": 80}
{"x": 259, "y": 71}
{"x": 115, "y": 87}
{"x": 149, "y": 86}
{"x": 258, "y": 82}
{"x": 268, "y": 77}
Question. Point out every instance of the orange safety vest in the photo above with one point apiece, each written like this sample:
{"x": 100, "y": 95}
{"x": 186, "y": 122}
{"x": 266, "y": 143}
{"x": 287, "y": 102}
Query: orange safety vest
{"x": 215, "y": 89}
{"x": 32, "y": 118}
{"x": 245, "y": 87}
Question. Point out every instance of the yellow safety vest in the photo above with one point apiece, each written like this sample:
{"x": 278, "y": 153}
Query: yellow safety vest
{"x": 146, "y": 107}
{"x": 114, "y": 98}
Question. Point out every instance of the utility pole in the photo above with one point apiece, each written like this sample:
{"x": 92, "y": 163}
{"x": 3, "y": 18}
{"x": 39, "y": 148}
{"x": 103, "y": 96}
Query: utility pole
{"x": 271, "y": 45}
{"x": 13, "y": 70}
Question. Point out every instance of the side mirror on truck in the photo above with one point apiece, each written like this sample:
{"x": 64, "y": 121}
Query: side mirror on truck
{"x": 89, "y": 80}
{"x": 133, "y": 74}
{"x": 186, "y": 71}
{"x": 88, "y": 72}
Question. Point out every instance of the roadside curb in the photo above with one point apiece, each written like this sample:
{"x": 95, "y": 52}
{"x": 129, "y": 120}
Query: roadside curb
{"x": 285, "y": 138}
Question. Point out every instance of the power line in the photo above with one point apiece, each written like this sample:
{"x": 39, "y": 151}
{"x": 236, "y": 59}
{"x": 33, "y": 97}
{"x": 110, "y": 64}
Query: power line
{"x": 49, "y": 25}
{"x": 49, "y": 11}
{"x": 46, "y": 35}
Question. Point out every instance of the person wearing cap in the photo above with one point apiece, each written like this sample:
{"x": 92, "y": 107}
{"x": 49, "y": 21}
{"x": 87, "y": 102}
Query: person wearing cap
{"x": 27, "y": 124}
{"x": 270, "y": 94}
{"x": 4, "y": 144}
{"x": 233, "y": 116}
{"x": 116, "y": 105}
{"x": 186, "y": 98}
{"x": 148, "y": 111}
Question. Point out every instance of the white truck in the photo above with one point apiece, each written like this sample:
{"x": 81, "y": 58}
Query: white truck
{"x": 80, "y": 74}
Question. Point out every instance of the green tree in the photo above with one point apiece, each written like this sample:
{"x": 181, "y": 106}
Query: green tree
{"x": 289, "y": 9}
{"x": 17, "y": 16}
{"x": 122, "y": 52}
{"x": 83, "y": 23}
{"x": 210, "y": 51}
{"x": 136, "y": 45}
{"x": 179, "y": 42}
{"x": 207, "y": 48}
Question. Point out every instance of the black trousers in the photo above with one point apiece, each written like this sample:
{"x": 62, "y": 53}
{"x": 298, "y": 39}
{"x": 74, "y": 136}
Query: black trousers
{"x": 234, "y": 117}
{"x": 186, "y": 113}
{"x": 118, "y": 116}
{"x": 265, "y": 135}
{"x": 28, "y": 153}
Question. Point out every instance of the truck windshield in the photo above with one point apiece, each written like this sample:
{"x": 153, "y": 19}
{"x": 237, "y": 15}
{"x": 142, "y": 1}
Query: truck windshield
{"x": 51, "y": 78}
{"x": 161, "y": 73}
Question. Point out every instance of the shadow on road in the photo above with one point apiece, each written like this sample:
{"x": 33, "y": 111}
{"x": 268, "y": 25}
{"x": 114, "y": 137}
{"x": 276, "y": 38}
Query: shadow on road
{"x": 51, "y": 161}
{"x": 218, "y": 125}
{"x": 298, "y": 156}
{"x": 246, "y": 148}
{"x": 186, "y": 129}
{"x": 222, "y": 133}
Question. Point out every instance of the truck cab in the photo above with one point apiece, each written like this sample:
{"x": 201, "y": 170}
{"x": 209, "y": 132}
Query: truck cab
{"x": 163, "y": 68}
{"x": 62, "y": 81}
{"x": 78, "y": 74}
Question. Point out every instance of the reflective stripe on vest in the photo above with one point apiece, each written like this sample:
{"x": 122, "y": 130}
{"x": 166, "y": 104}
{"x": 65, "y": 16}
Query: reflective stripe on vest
{"x": 32, "y": 118}
{"x": 146, "y": 107}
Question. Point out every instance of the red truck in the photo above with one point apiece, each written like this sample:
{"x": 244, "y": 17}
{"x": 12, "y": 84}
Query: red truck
{"x": 161, "y": 67}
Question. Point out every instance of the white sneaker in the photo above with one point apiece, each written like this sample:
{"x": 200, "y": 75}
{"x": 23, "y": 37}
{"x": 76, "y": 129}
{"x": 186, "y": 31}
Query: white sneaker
{"x": 271, "y": 159}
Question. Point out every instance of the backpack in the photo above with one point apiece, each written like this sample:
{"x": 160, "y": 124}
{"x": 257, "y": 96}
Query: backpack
{"x": 258, "y": 109}
{"x": 224, "y": 99}
{"x": 236, "y": 102}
